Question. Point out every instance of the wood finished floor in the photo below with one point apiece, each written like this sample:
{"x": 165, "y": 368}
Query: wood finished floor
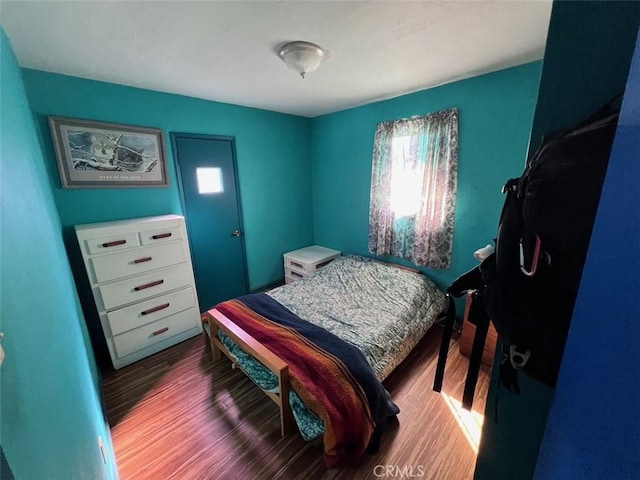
{"x": 177, "y": 416}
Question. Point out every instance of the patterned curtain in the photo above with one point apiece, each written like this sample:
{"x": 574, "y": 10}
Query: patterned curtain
{"x": 413, "y": 189}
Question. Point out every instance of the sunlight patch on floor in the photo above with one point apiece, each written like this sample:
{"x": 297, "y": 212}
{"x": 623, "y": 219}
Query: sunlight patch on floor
{"x": 470, "y": 421}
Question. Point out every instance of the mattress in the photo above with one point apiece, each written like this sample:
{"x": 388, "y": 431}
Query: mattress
{"x": 382, "y": 310}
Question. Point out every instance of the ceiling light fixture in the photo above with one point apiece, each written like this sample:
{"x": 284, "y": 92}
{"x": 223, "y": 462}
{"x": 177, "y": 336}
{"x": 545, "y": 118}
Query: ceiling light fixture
{"x": 302, "y": 57}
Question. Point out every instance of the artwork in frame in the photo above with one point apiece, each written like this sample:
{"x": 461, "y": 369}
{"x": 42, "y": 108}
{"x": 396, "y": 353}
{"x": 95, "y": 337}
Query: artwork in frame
{"x": 108, "y": 155}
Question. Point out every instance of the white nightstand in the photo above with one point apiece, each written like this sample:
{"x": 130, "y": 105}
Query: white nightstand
{"x": 305, "y": 261}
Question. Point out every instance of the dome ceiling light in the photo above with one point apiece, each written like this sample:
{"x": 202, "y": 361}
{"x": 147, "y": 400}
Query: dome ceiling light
{"x": 302, "y": 57}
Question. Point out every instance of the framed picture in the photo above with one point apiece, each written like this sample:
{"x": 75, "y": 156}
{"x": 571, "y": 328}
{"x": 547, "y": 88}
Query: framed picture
{"x": 108, "y": 155}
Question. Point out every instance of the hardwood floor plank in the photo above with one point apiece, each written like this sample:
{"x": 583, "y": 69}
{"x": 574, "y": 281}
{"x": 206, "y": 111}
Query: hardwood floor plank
{"x": 178, "y": 416}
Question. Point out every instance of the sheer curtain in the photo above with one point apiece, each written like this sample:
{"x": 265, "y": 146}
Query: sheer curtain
{"x": 413, "y": 188}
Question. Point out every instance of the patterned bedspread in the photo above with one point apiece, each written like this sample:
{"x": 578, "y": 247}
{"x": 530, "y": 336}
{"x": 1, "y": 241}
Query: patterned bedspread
{"x": 383, "y": 311}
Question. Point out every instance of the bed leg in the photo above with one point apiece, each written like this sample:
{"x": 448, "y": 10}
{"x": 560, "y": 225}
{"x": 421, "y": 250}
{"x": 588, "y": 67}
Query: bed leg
{"x": 286, "y": 417}
{"x": 215, "y": 351}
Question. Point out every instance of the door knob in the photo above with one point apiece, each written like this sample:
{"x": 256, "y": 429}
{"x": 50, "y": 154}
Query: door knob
{"x": 236, "y": 233}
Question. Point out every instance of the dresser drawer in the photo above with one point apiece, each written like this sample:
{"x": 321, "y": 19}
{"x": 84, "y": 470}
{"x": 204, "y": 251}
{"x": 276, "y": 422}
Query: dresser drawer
{"x": 134, "y": 340}
{"x": 140, "y": 314}
{"x": 139, "y": 288}
{"x": 137, "y": 261}
{"x": 154, "y": 237}
{"x": 111, "y": 243}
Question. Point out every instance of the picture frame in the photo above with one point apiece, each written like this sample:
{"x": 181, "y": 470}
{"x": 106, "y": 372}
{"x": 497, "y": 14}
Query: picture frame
{"x": 94, "y": 154}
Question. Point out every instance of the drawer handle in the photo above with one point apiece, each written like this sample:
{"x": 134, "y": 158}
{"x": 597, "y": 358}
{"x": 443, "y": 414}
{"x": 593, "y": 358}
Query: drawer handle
{"x": 296, "y": 264}
{"x": 161, "y": 235}
{"x": 155, "y": 309}
{"x": 142, "y": 260}
{"x": 296, "y": 274}
{"x": 161, "y": 331}
{"x": 114, "y": 243}
{"x": 149, "y": 285}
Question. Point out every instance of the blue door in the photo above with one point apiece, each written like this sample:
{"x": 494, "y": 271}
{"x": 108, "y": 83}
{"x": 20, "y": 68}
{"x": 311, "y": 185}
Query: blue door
{"x": 207, "y": 177}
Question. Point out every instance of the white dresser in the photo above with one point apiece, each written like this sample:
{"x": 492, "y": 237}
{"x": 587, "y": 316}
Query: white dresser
{"x": 142, "y": 282}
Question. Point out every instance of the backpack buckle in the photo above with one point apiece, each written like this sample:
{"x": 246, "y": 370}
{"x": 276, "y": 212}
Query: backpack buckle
{"x": 518, "y": 359}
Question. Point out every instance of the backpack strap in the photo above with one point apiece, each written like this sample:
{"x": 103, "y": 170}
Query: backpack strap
{"x": 481, "y": 320}
{"x": 444, "y": 343}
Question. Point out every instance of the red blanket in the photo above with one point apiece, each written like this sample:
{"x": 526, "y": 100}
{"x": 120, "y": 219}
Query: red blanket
{"x": 331, "y": 377}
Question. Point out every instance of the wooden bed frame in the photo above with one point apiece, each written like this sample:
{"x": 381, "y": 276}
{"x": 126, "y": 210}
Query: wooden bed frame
{"x": 217, "y": 321}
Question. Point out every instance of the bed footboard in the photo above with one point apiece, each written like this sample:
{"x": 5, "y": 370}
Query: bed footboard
{"x": 218, "y": 321}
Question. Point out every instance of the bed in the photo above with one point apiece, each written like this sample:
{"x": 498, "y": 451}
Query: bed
{"x": 320, "y": 347}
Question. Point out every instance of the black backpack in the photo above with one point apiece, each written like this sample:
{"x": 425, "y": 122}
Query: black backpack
{"x": 528, "y": 287}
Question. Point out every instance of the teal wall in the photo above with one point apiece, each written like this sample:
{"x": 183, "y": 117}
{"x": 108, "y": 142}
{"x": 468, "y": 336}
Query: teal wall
{"x": 586, "y": 62}
{"x": 495, "y": 115}
{"x": 272, "y": 152}
{"x": 589, "y": 45}
{"x": 272, "y": 149}
{"x": 50, "y": 415}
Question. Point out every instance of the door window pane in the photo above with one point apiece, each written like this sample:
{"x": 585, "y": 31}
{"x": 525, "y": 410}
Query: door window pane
{"x": 209, "y": 180}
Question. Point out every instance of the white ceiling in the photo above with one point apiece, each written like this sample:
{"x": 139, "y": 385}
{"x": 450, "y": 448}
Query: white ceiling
{"x": 226, "y": 51}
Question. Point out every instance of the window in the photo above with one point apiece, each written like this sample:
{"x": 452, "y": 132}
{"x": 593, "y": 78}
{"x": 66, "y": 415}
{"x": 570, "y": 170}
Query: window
{"x": 404, "y": 196}
{"x": 413, "y": 188}
{"x": 209, "y": 180}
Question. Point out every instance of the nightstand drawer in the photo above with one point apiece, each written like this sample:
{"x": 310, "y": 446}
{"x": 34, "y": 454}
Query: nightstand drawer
{"x": 134, "y": 340}
{"x": 292, "y": 274}
{"x": 135, "y": 262}
{"x": 139, "y": 288}
{"x": 140, "y": 314}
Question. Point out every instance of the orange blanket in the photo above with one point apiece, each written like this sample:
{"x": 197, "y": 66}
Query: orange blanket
{"x": 332, "y": 377}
